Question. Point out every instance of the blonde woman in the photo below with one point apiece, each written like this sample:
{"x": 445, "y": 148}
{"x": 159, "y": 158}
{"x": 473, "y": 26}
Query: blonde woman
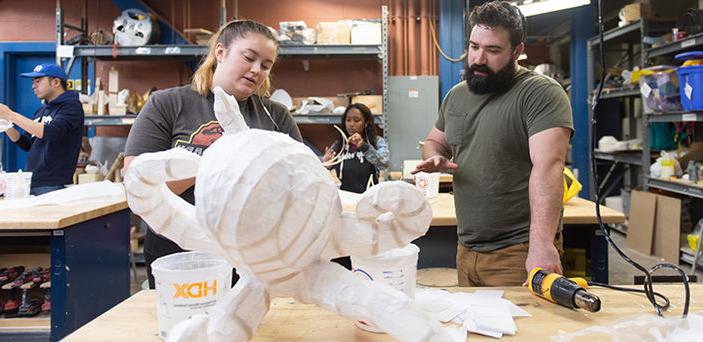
{"x": 239, "y": 61}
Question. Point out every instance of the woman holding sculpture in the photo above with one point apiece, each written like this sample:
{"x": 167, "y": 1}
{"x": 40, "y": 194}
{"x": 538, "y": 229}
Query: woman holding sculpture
{"x": 239, "y": 61}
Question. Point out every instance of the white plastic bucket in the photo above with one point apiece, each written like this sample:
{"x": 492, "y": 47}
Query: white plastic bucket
{"x": 396, "y": 267}
{"x": 427, "y": 183}
{"x": 187, "y": 284}
{"x": 17, "y": 184}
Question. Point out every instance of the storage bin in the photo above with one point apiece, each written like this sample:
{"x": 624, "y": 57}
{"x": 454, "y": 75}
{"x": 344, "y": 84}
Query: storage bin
{"x": 660, "y": 89}
{"x": 691, "y": 87}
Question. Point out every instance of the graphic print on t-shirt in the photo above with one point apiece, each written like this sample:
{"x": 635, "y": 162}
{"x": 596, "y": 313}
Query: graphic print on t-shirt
{"x": 202, "y": 138}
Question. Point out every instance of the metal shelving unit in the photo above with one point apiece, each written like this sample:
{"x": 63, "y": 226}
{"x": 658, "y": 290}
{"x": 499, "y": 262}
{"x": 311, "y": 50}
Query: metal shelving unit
{"x": 676, "y": 187}
{"x": 632, "y": 174}
{"x": 89, "y": 53}
{"x": 624, "y": 34}
{"x": 679, "y": 187}
{"x": 690, "y": 43}
{"x": 610, "y": 93}
{"x": 626, "y": 157}
{"x": 109, "y": 120}
{"x": 687, "y": 255}
{"x": 108, "y": 52}
{"x": 675, "y": 117}
{"x": 128, "y": 120}
{"x": 328, "y": 119}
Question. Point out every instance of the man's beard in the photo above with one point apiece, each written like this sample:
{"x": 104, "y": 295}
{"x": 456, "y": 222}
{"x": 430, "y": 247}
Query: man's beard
{"x": 493, "y": 82}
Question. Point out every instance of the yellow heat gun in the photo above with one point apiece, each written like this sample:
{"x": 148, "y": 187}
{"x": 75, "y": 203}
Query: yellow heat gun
{"x": 568, "y": 292}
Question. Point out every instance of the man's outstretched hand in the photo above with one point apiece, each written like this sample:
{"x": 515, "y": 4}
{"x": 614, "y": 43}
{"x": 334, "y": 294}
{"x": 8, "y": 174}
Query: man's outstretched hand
{"x": 435, "y": 164}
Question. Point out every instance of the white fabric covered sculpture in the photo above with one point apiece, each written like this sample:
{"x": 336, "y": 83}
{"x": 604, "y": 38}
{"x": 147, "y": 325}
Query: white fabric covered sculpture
{"x": 266, "y": 204}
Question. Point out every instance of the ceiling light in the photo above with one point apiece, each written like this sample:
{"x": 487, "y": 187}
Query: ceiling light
{"x": 547, "y": 6}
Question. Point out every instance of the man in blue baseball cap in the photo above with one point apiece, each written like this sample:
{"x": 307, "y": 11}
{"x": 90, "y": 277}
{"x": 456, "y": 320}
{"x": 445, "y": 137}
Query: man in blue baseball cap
{"x": 53, "y": 136}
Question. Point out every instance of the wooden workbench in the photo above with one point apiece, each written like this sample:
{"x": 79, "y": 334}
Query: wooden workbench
{"x": 56, "y": 216}
{"x": 135, "y": 319}
{"x": 85, "y": 245}
{"x": 576, "y": 211}
{"x": 438, "y": 246}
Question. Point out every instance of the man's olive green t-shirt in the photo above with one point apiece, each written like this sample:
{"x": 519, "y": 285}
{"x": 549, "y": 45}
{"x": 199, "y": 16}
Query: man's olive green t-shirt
{"x": 488, "y": 135}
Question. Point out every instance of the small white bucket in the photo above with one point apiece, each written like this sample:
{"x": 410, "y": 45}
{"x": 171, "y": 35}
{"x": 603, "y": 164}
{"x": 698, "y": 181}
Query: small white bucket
{"x": 427, "y": 183}
{"x": 17, "y": 184}
{"x": 187, "y": 284}
{"x": 396, "y": 267}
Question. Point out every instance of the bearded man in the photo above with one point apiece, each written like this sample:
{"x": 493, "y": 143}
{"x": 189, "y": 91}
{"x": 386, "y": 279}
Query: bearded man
{"x": 505, "y": 134}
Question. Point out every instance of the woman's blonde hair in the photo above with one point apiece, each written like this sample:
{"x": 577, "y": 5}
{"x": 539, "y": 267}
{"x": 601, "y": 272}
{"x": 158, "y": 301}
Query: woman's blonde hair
{"x": 236, "y": 29}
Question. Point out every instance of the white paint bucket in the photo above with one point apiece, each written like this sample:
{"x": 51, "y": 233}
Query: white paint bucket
{"x": 396, "y": 268}
{"x": 187, "y": 284}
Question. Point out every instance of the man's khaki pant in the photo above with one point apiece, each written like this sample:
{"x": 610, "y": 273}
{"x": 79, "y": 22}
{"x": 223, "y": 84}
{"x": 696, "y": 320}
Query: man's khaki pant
{"x": 500, "y": 267}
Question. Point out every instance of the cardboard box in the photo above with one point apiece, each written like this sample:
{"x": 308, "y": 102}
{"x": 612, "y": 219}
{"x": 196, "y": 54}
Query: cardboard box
{"x": 202, "y": 36}
{"x": 633, "y": 12}
{"x": 640, "y": 227}
{"x": 333, "y": 33}
{"x": 667, "y": 229}
{"x": 366, "y": 33}
{"x": 374, "y": 102}
{"x": 655, "y": 225}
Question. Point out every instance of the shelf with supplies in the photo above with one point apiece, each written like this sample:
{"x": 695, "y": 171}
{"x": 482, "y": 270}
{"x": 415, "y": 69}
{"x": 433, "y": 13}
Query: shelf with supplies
{"x": 192, "y": 51}
{"x": 310, "y": 119}
{"x": 610, "y": 93}
{"x": 689, "y": 43}
{"x": 328, "y": 119}
{"x": 675, "y": 117}
{"x": 676, "y": 186}
{"x": 628, "y": 32}
{"x": 84, "y": 54}
{"x": 110, "y": 120}
{"x": 626, "y": 157}
{"x": 633, "y": 36}
{"x": 687, "y": 255}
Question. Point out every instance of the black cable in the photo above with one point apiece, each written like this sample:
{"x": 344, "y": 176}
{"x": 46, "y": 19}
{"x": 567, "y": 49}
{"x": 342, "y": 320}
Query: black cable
{"x": 665, "y": 306}
{"x": 648, "y": 286}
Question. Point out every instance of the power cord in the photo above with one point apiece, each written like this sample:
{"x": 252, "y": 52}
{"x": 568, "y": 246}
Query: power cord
{"x": 648, "y": 286}
{"x": 439, "y": 48}
{"x": 664, "y": 306}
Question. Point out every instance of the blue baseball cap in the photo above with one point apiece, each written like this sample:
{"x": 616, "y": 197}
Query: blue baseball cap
{"x": 51, "y": 70}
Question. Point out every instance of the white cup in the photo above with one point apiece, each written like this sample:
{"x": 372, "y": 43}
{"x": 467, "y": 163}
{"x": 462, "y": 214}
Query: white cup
{"x": 427, "y": 183}
{"x": 17, "y": 184}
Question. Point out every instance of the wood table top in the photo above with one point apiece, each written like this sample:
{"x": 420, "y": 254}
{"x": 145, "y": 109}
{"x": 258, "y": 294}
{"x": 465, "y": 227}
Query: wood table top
{"x": 52, "y": 217}
{"x": 135, "y": 319}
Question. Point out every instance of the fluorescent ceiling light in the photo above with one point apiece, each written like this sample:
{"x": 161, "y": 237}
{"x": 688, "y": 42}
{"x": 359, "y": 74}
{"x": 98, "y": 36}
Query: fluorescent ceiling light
{"x": 547, "y": 6}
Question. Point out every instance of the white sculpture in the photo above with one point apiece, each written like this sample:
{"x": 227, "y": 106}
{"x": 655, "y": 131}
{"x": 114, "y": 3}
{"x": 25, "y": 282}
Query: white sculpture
{"x": 266, "y": 204}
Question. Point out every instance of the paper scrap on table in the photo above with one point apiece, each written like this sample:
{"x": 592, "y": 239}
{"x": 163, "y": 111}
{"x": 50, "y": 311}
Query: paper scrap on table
{"x": 89, "y": 192}
{"x": 483, "y": 312}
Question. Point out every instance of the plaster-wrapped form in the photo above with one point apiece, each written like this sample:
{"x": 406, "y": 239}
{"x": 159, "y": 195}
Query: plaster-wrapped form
{"x": 266, "y": 204}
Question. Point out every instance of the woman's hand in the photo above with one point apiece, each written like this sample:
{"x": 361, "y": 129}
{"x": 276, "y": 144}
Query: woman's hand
{"x": 329, "y": 154}
{"x": 356, "y": 140}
